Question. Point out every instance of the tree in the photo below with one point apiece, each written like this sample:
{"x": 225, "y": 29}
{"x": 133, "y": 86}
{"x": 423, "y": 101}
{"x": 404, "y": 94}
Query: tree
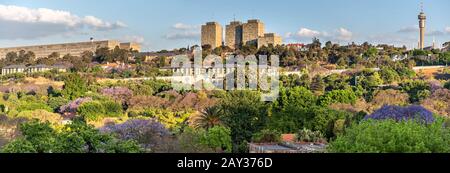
{"x": 245, "y": 114}
{"x": 389, "y": 136}
{"x": 150, "y": 134}
{"x": 317, "y": 84}
{"x": 74, "y": 86}
{"x": 209, "y": 118}
{"x": 398, "y": 113}
{"x": 389, "y": 75}
{"x": 417, "y": 90}
{"x": 267, "y": 136}
{"x": 218, "y": 138}
{"x": 338, "y": 96}
{"x": 77, "y": 137}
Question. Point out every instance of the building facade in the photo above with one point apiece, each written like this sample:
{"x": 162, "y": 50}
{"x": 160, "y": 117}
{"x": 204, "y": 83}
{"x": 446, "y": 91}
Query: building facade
{"x": 251, "y": 31}
{"x": 12, "y": 69}
{"x": 233, "y": 34}
{"x": 269, "y": 39}
{"x": 212, "y": 34}
{"x": 74, "y": 49}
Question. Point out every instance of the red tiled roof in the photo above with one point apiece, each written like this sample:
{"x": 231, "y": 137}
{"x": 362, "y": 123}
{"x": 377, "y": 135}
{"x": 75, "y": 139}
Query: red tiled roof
{"x": 288, "y": 137}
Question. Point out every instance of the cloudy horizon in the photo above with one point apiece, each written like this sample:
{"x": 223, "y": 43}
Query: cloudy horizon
{"x": 161, "y": 25}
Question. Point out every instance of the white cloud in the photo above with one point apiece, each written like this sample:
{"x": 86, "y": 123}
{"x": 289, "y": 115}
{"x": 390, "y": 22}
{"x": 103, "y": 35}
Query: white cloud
{"x": 447, "y": 30}
{"x": 308, "y": 33}
{"x": 435, "y": 33}
{"x": 182, "y": 26}
{"x": 344, "y": 34}
{"x": 305, "y": 34}
{"x": 189, "y": 35}
{"x": 27, "y": 23}
{"x": 181, "y": 31}
{"x": 409, "y": 29}
{"x": 134, "y": 38}
{"x": 97, "y": 23}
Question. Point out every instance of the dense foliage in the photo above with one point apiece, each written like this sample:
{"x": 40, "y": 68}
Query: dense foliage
{"x": 390, "y": 136}
{"x": 72, "y": 138}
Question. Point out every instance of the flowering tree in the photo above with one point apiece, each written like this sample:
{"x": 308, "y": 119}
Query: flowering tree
{"x": 118, "y": 93}
{"x": 69, "y": 110}
{"x": 150, "y": 134}
{"x": 398, "y": 113}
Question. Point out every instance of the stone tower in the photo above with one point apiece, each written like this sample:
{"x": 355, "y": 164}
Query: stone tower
{"x": 212, "y": 34}
{"x": 233, "y": 35}
{"x": 251, "y": 31}
{"x": 422, "y": 19}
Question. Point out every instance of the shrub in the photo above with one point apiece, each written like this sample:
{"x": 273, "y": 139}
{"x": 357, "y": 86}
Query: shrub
{"x": 91, "y": 111}
{"x": 338, "y": 96}
{"x": 56, "y": 102}
{"x": 447, "y": 85}
{"x": 267, "y": 136}
{"x": 112, "y": 109}
{"x": 417, "y": 90}
{"x": 306, "y": 135}
{"x": 398, "y": 113}
{"x": 31, "y": 106}
{"x": 374, "y": 136}
{"x": 41, "y": 115}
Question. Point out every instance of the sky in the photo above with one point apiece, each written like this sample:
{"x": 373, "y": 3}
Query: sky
{"x": 169, "y": 24}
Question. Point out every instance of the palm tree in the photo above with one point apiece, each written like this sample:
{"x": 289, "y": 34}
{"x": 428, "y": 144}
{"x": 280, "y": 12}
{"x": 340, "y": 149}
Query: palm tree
{"x": 209, "y": 118}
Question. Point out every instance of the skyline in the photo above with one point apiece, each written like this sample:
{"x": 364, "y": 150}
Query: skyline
{"x": 158, "y": 25}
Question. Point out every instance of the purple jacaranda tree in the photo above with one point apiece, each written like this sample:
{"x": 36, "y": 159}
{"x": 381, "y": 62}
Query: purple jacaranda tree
{"x": 399, "y": 113}
{"x": 150, "y": 134}
{"x": 69, "y": 110}
{"x": 118, "y": 93}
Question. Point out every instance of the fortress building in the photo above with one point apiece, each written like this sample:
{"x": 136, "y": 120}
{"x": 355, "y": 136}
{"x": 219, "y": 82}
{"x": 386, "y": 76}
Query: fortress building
{"x": 233, "y": 34}
{"x": 252, "y": 30}
{"x": 74, "y": 49}
{"x": 237, "y": 34}
{"x": 212, "y": 34}
{"x": 269, "y": 39}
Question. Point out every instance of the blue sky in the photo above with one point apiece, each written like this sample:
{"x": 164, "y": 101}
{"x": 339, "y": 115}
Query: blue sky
{"x": 168, "y": 24}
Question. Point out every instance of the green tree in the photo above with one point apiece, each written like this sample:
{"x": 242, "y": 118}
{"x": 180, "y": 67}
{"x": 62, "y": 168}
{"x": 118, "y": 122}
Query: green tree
{"x": 317, "y": 84}
{"x": 338, "y": 96}
{"x": 209, "y": 118}
{"x": 74, "y": 86}
{"x": 245, "y": 114}
{"x": 218, "y": 138}
{"x": 393, "y": 137}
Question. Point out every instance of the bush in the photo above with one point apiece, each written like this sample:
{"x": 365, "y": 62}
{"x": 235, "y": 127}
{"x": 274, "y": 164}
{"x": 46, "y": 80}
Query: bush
{"x": 306, "y": 135}
{"x": 56, "y": 102}
{"x": 267, "y": 136}
{"x": 338, "y": 96}
{"x": 417, "y": 90}
{"x": 112, "y": 109}
{"x": 91, "y": 110}
{"x": 447, "y": 85}
{"x": 31, "y": 106}
{"x": 389, "y": 136}
{"x": 41, "y": 115}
